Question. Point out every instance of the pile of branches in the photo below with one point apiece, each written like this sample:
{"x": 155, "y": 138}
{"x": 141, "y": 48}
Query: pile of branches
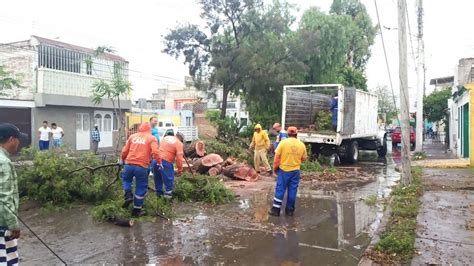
{"x": 57, "y": 179}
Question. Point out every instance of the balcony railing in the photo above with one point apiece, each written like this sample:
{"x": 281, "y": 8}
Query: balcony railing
{"x": 58, "y": 82}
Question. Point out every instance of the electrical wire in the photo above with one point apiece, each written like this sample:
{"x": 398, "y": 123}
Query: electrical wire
{"x": 386, "y": 62}
{"x": 411, "y": 39}
{"x": 39, "y": 238}
{"x": 138, "y": 74}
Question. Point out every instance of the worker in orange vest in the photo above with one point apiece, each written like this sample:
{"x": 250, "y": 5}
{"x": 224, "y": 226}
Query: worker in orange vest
{"x": 141, "y": 147}
{"x": 171, "y": 150}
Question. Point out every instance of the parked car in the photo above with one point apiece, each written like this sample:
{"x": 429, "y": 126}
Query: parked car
{"x": 397, "y": 136}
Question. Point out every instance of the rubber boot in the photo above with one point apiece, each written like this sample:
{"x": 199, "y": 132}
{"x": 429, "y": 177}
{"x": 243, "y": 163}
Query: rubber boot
{"x": 128, "y": 199}
{"x": 274, "y": 211}
{"x": 289, "y": 212}
{"x": 136, "y": 212}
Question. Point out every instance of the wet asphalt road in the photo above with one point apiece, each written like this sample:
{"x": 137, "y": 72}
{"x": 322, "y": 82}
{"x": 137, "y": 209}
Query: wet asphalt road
{"x": 331, "y": 226}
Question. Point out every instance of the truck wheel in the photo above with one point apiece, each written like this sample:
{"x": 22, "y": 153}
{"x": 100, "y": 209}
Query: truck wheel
{"x": 353, "y": 152}
{"x": 382, "y": 150}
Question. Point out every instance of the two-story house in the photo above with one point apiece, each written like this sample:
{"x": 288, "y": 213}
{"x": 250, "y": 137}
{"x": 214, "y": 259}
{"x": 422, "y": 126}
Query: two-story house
{"x": 57, "y": 80}
{"x": 461, "y": 110}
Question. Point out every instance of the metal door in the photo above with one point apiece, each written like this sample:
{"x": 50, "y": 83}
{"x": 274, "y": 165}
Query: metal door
{"x": 83, "y": 131}
{"x": 465, "y": 128}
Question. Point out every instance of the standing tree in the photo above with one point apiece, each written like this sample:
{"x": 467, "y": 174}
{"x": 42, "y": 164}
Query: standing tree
{"x": 362, "y": 34}
{"x": 213, "y": 53}
{"x": 117, "y": 88}
{"x": 435, "y": 105}
{"x": 386, "y": 103}
{"x": 7, "y": 81}
{"x": 272, "y": 58}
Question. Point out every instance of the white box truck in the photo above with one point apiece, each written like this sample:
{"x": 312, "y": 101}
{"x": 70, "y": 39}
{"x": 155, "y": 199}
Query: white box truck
{"x": 357, "y": 113}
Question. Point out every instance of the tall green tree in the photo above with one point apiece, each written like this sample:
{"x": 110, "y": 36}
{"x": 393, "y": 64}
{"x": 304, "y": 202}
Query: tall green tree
{"x": 324, "y": 41}
{"x": 7, "y": 81}
{"x": 213, "y": 53}
{"x": 272, "y": 60}
{"x": 362, "y": 34}
{"x": 435, "y": 105}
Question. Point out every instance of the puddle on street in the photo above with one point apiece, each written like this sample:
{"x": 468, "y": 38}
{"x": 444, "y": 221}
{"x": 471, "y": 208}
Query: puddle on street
{"x": 331, "y": 225}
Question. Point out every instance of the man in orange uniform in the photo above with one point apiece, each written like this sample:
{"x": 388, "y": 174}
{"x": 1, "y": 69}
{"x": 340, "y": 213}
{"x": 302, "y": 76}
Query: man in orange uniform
{"x": 288, "y": 157}
{"x": 136, "y": 155}
{"x": 171, "y": 149}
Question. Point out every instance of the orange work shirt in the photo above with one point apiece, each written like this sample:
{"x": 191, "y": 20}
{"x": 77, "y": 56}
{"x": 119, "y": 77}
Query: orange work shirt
{"x": 171, "y": 149}
{"x": 140, "y": 148}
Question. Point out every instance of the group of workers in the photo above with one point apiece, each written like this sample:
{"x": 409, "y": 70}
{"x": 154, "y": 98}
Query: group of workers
{"x": 289, "y": 154}
{"x": 144, "y": 153}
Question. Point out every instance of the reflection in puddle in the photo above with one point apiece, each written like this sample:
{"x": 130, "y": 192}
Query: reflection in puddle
{"x": 330, "y": 226}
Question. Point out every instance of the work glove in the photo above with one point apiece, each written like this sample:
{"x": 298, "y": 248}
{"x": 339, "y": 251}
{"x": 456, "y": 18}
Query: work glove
{"x": 120, "y": 161}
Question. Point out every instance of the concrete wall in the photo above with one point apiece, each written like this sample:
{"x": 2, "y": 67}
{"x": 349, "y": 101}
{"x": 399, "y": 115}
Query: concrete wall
{"x": 463, "y": 71}
{"x": 21, "y": 62}
{"x": 65, "y": 117}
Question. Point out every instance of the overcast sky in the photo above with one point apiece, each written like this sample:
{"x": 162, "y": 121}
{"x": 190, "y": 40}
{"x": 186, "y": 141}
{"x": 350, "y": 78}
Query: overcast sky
{"x": 135, "y": 30}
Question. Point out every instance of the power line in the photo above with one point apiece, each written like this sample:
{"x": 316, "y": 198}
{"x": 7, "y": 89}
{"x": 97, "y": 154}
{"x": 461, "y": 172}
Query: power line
{"x": 152, "y": 76}
{"x": 411, "y": 39}
{"x": 386, "y": 60}
{"x": 41, "y": 240}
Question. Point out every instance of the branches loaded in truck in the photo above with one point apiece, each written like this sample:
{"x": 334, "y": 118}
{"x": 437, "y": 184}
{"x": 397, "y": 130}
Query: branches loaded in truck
{"x": 353, "y": 116}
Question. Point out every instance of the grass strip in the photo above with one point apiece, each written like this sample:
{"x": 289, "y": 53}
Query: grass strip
{"x": 397, "y": 242}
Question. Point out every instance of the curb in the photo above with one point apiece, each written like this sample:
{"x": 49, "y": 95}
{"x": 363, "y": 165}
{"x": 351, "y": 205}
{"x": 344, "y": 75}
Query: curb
{"x": 451, "y": 163}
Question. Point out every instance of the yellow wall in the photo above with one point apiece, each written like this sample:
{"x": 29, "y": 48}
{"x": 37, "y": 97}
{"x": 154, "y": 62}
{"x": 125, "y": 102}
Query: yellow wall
{"x": 135, "y": 118}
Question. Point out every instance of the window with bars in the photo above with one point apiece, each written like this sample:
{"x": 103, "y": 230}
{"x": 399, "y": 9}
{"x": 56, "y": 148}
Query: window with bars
{"x": 59, "y": 59}
{"x": 158, "y": 105}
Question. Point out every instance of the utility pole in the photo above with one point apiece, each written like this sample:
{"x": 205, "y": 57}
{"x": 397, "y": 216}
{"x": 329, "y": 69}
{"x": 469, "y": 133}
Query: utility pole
{"x": 420, "y": 69}
{"x": 404, "y": 99}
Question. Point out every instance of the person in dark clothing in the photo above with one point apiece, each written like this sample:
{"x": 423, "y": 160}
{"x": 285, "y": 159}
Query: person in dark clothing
{"x": 334, "y": 111}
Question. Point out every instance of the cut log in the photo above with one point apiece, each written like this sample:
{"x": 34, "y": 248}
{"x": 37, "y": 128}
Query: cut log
{"x": 215, "y": 170}
{"x": 241, "y": 172}
{"x": 203, "y": 165}
{"x": 195, "y": 150}
{"x": 121, "y": 221}
{"x": 229, "y": 161}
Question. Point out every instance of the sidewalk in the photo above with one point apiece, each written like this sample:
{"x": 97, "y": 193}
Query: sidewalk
{"x": 438, "y": 157}
{"x": 445, "y": 233}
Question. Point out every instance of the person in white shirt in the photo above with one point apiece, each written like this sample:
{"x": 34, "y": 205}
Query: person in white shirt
{"x": 58, "y": 135}
{"x": 44, "y": 134}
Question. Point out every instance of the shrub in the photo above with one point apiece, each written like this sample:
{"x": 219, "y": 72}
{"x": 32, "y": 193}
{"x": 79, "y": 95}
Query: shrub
{"x": 202, "y": 188}
{"x": 311, "y": 166}
{"x": 229, "y": 127}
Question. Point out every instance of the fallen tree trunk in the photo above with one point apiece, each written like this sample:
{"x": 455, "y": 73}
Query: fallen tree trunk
{"x": 195, "y": 150}
{"x": 205, "y": 163}
{"x": 121, "y": 221}
{"x": 215, "y": 170}
{"x": 241, "y": 172}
